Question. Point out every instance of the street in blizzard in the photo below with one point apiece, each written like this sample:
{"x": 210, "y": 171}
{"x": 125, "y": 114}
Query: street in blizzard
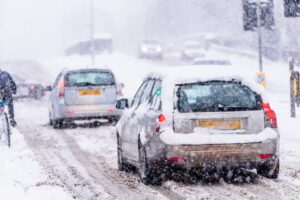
{"x": 149, "y": 100}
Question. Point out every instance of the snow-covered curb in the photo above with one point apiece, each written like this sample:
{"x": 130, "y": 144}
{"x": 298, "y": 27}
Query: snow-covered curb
{"x": 21, "y": 175}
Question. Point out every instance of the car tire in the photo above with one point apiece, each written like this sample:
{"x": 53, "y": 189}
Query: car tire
{"x": 50, "y": 121}
{"x": 147, "y": 175}
{"x": 57, "y": 124}
{"x": 121, "y": 164}
{"x": 270, "y": 171}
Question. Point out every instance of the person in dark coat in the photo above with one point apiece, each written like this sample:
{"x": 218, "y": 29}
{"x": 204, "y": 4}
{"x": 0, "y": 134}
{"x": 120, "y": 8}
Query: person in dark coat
{"x": 8, "y": 87}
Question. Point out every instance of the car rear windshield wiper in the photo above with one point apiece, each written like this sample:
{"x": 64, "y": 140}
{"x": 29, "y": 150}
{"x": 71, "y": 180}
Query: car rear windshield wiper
{"x": 234, "y": 108}
{"x": 83, "y": 84}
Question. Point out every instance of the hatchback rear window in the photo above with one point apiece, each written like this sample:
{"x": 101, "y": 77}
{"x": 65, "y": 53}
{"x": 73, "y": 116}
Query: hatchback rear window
{"x": 216, "y": 96}
{"x": 89, "y": 78}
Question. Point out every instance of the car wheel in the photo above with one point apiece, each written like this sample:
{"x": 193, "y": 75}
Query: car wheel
{"x": 121, "y": 164}
{"x": 57, "y": 124}
{"x": 147, "y": 175}
{"x": 270, "y": 171}
{"x": 50, "y": 120}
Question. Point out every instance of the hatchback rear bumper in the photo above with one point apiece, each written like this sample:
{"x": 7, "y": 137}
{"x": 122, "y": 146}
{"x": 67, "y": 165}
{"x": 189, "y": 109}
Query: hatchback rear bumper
{"x": 248, "y": 155}
{"x": 86, "y": 112}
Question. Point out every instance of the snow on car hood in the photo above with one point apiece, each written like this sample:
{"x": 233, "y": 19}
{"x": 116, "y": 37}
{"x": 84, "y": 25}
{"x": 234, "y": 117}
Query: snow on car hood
{"x": 205, "y": 136}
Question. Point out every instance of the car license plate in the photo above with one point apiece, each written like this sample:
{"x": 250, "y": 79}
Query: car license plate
{"x": 90, "y": 92}
{"x": 221, "y": 124}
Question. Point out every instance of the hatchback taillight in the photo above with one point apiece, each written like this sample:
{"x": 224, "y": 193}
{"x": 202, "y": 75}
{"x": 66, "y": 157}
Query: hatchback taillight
{"x": 270, "y": 116}
{"x": 61, "y": 88}
{"x": 161, "y": 119}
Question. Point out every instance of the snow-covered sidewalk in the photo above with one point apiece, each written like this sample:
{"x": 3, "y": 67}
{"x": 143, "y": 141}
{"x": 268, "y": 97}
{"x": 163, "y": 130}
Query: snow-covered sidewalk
{"x": 21, "y": 175}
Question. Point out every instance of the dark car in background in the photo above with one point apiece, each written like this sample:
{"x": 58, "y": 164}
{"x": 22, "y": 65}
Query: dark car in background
{"x": 26, "y": 89}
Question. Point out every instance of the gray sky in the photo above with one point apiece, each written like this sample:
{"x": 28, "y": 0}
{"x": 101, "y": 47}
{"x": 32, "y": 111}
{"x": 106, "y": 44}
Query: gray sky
{"x": 42, "y": 28}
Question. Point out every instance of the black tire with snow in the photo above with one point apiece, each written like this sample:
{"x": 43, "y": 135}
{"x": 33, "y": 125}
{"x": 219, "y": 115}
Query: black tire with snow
{"x": 57, "y": 124}
{"x": 121, "y": 164}
{"x": 270, "y": 171}
{"x": 147, "y": 175}
{"x": 8, "y": 131}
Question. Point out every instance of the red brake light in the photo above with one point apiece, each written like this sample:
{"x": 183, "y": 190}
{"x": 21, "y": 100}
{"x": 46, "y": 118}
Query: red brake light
{"x": 266, "y": 106}
{"x": 61, "y": 84}
{"x": 111, "y": 110}
{"x": 270, "y": 115}
{"x": 61, "y": 88}
{"x": 176, "y": 159}
{"x": 32, "y": 87}
{"x": 160, "y": 120}
{"x": 265, "y": 156}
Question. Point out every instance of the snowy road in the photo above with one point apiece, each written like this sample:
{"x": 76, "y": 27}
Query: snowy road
{"x": 83, "y": 161}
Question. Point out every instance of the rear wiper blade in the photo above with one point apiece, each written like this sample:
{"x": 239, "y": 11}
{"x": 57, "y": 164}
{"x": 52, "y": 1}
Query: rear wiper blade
{"x": 85, "y": 84}
{"x": 236, "y": 108}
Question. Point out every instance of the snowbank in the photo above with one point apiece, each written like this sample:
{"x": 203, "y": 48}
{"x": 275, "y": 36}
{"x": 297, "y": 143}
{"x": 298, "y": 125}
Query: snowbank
{"x": 22, "y": 177}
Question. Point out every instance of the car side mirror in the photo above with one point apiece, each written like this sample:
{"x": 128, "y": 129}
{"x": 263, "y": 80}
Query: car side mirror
{"x": 48, "y": 88}
{"x": 122, "y": 104}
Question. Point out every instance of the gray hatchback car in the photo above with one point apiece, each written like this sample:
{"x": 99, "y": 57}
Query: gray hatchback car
{"x": 83, "y": 94}
{"x": 197, "y": 120}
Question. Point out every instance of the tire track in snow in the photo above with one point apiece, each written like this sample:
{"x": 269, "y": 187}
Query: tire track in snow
{"x": 59, "y": 167}
{"x": 108, "y": 171}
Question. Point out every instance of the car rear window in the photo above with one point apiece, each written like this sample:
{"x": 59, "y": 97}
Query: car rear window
{"x": 89, "y": 78}
{"x": 216, "y": 96}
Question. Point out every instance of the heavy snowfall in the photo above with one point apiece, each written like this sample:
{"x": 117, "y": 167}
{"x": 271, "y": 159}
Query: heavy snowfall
{"x": 80, "y": 160}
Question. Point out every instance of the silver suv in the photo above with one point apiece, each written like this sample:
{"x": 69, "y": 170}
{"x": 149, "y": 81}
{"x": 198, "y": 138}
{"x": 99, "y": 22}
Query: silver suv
{"x": 83, "y": 94}
{"x": 195, "y": 122}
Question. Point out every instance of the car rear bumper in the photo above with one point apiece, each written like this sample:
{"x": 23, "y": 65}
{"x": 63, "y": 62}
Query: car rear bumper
{"x": 221, "y": 155}
{"x": 150, "y": 54}
{"x": 87, "y": 112}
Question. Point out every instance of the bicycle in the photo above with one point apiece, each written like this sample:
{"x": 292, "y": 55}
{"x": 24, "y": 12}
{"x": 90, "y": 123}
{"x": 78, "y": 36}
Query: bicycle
{"x": 5, "y": 131}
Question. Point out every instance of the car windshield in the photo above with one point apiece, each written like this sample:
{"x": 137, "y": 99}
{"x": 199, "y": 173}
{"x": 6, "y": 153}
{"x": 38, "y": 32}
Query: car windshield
{"x": 214, "y": 96}
{"x": 89, "y": 78}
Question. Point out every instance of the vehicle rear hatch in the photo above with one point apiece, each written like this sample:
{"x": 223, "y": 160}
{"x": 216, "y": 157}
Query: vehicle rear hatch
{"x": 218, "y": 107}
{"x": 90, "y": 87}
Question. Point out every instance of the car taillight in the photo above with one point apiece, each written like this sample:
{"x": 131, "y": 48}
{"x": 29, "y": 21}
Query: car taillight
{"x": 161, "y": 119}
{"x": 61, "y": 88}
{"x": 176, "y": 160}
{"x": 265, "y": 156}
{"x": 270, "y": 116}
{"x": 32, "y": 87}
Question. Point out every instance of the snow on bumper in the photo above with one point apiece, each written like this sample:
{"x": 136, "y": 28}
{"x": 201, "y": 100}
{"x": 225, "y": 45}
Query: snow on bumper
{"x": 171, "y": 138}
{"x": 194, "y": 150}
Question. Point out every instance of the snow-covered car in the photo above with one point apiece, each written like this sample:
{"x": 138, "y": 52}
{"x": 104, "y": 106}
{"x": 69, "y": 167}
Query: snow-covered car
{"x": 150, "y": 48}
{"x": 196, "y": 119}
{"x": 206, "y": 61}
{"x": 83, "y": 94}
{"x": 27, "y": 89}
{"x": 192, "y": 50}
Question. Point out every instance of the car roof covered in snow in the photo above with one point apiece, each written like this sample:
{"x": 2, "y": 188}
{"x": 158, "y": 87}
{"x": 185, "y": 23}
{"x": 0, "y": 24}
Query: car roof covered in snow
{"x": 71, "y": 69}
{"x": 172, "y": 76}
{"x": 192, "y": 74}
